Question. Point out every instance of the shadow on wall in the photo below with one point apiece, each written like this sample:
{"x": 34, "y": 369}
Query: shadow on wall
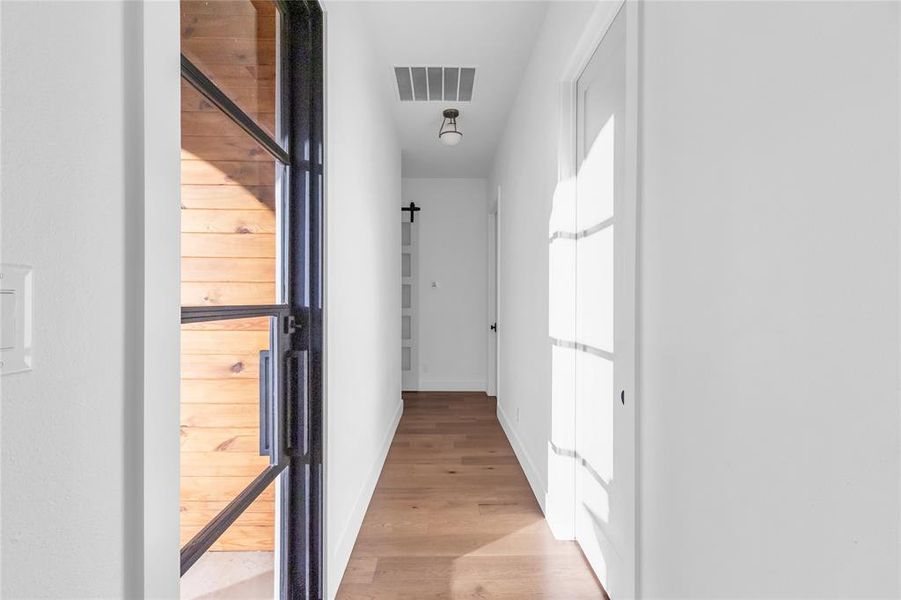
{"x": 580, "y": 456}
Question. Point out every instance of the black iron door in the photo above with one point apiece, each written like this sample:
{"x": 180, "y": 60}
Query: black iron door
{"x": 252, "y": 295}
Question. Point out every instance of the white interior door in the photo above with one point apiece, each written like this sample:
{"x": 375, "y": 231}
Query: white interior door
{"x": 605, "y": 321}
{"x": 409, "y": 357}
{"x": 492, "y": 305}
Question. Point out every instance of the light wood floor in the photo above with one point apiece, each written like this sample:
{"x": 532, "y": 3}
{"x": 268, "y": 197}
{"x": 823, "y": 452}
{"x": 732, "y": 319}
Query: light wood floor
{"x": 453, "y": 516}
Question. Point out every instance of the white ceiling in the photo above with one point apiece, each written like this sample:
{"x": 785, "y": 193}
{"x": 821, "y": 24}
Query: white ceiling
{"x": 495, "y": 37}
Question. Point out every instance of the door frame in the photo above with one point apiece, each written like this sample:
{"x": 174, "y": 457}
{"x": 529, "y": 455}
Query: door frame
{"x": 593, "y": 34}
{"x": 160, "y": 33}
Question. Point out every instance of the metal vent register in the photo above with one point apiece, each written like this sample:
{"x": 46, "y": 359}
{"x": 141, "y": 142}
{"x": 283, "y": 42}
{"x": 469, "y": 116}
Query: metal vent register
{"x": 425, "y": 84}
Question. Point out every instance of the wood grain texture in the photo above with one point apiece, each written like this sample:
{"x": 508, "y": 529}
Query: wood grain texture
{"x": 234, "y": 44}
{"x": 220, "y": 391}
{"x": 227, "y": 221}
{"x": 219, "y": 245}
{"x": 224, "y": 25}
{"x": 219, "y": 415}
{"x": 454, "y": 517}
{"x": 260, "y": 99}
{"x": 221, "y": 464}
{"x": 229, "y": 247}
{"x": 208, "y": 123}
{"x": 227, "y": 172}
{"x": 224, "y": 148}
{"x": 253, "y": 530}
{"x": 214, "y": 440}
{"x": 211, "y": 341}
{"x": 226, "y": 293}
{"x": 222, "y": 197}
{"x": 220, "y": 366}
{"x": 246, "y": 8}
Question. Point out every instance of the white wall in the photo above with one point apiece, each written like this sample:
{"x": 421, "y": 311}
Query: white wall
{"x": 453, "y": 246}
{"x": 526, "y": 169}
{"x": 73, "y": 208}
{"x": 363, "y": 401}
{"x": 161, "y": 62}
{"x": 768, "y": 311}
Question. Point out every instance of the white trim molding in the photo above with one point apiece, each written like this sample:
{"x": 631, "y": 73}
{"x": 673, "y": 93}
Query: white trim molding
{"x": 161, "y": 175}
{"x": 340, "y": 555}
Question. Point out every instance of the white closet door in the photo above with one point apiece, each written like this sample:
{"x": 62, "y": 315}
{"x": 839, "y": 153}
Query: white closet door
{"x": 409, "y": 355}
{"x": 605, "y": 330}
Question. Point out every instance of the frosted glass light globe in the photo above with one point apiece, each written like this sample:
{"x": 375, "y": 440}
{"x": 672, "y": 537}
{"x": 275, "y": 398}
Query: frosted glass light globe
{"x": 451, "y": 137}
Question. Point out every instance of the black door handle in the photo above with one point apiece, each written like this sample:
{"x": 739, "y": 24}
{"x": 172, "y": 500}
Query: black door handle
{"x": 494, "y": 327}
{"x": 299, "y": 417}
{"x": 266, "y": 404}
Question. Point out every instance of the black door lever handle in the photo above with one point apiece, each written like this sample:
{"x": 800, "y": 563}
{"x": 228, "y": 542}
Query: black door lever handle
{"x": 494, "y": 327}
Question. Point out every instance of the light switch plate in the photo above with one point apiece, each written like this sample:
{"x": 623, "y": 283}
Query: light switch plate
{"x": 7, "y": 319}
{"x": 16, "y": 300}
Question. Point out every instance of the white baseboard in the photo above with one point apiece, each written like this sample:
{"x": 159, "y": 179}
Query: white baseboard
{"x": 450, "y": 385}
{"x": 539, "y": 488}
{"x": 339, "y": 558}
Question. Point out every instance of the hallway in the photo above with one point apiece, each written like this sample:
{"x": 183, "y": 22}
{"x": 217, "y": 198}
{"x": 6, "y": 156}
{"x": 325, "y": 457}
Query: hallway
{"x": 453, "y": 515}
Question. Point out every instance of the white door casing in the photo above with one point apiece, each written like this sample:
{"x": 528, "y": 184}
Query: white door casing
{"x": 492, "y": 305}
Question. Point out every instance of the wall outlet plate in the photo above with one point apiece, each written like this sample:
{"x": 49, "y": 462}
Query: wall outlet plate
{"x": 16, "y": 303}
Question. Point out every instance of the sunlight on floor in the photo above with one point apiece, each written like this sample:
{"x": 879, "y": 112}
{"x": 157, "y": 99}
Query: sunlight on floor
{"x": 453, "y": 515}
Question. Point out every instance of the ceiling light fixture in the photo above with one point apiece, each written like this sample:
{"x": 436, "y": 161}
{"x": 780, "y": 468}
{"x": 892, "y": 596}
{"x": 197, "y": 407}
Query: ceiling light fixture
{"x": 449, "y": 133}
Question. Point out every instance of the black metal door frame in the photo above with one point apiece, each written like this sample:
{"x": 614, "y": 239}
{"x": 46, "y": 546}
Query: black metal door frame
{"x": 294, "y": 428}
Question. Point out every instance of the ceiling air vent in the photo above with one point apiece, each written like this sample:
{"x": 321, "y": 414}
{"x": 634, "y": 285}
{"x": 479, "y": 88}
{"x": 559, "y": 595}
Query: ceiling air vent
{"x": 424, "y": 84}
